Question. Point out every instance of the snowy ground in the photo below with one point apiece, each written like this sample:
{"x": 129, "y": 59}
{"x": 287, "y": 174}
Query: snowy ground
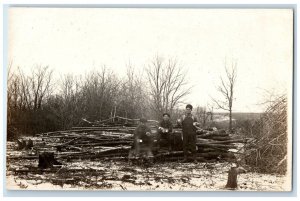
{"x": 119, "y": 175}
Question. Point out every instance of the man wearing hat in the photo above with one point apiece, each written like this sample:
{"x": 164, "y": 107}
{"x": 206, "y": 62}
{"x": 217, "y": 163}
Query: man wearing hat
{"x": 165, "y": 131}
{"x": 189, "y": 123}
{"x": 142, "y": 139}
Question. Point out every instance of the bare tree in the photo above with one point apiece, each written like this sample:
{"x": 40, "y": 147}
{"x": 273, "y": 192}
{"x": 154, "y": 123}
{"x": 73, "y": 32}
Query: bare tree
{"x": 168, "y": 84}
{"x": 36, "y": 87}
{"x": 226, "y": 89}
{"x": 41, "y": 84}
{"x": 70, "y": 99}
{"x": 132, "y": 94}
{"x": 13, "y": 93}
{"x": 27, "y": 94}
{"x": 99, "y": 92}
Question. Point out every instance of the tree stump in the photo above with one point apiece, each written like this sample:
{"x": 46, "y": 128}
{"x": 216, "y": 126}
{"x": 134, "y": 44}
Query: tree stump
{"x": 47, "y": 160}
{"x": 232, "y": 177}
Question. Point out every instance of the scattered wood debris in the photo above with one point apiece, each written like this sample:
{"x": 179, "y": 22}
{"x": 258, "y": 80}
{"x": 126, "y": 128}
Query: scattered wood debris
{"x": 48, "y": 156}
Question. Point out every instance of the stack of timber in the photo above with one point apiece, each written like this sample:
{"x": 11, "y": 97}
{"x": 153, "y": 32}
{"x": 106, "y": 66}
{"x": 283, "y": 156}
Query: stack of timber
{"x": 114, "y": 143}
{"x": 213, "y": 145}
{"x": 80, "y": 143}
{"x": 219, "y": 144}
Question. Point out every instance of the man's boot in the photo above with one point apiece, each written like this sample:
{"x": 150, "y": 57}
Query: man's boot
{"x": 149, "y": 156}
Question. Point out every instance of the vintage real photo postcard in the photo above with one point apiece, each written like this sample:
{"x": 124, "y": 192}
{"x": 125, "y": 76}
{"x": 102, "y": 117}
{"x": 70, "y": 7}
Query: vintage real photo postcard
{"x": 151, "y": 99}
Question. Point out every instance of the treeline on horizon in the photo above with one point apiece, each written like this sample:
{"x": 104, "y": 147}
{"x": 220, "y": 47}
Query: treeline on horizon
{"x": 36, "y": 102}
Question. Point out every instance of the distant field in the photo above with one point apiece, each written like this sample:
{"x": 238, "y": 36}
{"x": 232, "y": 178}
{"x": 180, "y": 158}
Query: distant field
{"x": 241, "y": 115}
{"x": 244, "y": 116}
{"x": 221, "y": 120}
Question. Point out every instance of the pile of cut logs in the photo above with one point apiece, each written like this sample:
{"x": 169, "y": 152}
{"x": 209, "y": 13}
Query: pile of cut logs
{"x": 218, "y": 144}
{"x": 114, "y": 142}
{"x": 212, "y": 145}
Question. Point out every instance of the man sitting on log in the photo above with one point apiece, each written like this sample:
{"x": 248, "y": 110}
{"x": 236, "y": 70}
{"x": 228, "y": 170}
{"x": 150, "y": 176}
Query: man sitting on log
{"x": 143, "y": 140}
{"x": 165, "y": 132}
{"x": 188, "y": 123}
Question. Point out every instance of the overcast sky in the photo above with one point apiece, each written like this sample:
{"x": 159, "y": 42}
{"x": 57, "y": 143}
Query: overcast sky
{"x": 79, "y": 40}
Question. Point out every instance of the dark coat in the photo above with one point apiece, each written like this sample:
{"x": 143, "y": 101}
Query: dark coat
{"x": 140, "y": 133}
{"x": 167, "y": 125}
{"x": 187, "y": 124}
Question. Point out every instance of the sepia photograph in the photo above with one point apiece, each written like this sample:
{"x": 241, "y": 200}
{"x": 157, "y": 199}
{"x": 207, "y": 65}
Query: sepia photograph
{"x": 149, "y": 99}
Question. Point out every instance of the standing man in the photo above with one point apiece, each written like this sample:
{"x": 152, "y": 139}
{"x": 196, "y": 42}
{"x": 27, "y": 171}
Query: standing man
{"x": 165, "y": 131}
{"x": 188, "y": 123}
{"x": 143, "y": 139}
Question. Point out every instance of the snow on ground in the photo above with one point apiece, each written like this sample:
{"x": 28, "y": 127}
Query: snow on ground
{"x": 119, "y": 175}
